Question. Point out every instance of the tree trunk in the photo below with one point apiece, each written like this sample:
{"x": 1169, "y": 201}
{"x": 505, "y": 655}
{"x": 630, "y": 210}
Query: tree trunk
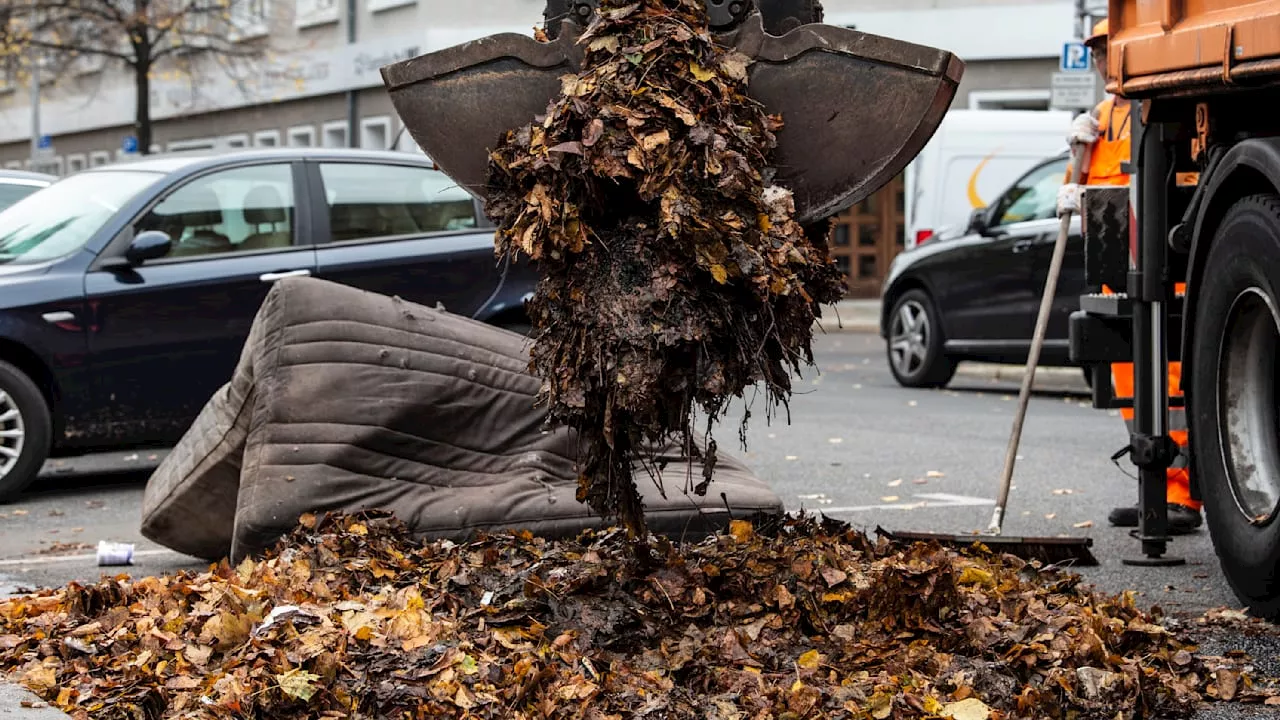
{"x": 142, "y": 84}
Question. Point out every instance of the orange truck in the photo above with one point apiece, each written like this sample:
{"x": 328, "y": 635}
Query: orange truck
{"x": 1203, "y": 207}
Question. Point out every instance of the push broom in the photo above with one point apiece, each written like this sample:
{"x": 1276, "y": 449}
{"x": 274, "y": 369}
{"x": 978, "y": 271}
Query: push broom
{"x": 1049, "y": 550}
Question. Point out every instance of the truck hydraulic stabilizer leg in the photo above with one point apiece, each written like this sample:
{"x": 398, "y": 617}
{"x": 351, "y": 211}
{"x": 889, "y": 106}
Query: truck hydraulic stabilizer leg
{"x": 1151, "y": 448}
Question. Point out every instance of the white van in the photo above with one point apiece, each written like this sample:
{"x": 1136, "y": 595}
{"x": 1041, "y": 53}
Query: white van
{"x": 973, "y": 157}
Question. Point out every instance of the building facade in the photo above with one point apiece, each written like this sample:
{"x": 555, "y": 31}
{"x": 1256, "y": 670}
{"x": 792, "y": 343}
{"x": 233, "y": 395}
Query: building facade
{"x": 320, "y": 86}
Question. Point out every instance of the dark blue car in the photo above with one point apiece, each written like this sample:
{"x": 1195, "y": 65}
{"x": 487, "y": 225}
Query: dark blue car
{"x": 127, "y": 291}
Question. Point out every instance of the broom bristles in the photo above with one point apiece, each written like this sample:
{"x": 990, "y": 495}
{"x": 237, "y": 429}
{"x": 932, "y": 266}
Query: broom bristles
{"x": 1047, "y": 550}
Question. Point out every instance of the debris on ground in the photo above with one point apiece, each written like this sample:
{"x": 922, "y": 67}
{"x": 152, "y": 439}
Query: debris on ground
{"x": 783, "y": 617}
{"x": 672, "y": 271}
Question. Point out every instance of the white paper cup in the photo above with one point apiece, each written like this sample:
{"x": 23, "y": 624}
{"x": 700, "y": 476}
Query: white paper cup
{"x": 110, "y": 553}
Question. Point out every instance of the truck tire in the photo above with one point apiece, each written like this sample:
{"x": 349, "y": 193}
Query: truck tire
{"x": 914, "y": 347}
{"x": 1235, "y": 433}
{"x": 25, "y": 431}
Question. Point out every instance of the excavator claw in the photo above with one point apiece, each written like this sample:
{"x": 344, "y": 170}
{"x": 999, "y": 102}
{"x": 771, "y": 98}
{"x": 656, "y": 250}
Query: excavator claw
{"x": 857, "y": 107}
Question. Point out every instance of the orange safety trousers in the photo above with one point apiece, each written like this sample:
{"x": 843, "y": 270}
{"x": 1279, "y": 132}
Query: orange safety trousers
{"x": 1178, "y": 484}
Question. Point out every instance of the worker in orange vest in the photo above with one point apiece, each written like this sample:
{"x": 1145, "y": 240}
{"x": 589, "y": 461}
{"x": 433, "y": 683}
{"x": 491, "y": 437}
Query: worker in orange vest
{"x": 1106, "y": 133}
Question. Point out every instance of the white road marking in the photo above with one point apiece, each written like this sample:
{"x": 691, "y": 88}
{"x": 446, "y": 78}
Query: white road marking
{"x": 51, "y": 559}
{"x": 928, "y": 500}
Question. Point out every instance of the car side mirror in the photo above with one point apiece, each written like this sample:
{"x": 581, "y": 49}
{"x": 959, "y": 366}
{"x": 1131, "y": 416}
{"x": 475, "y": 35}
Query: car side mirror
{"x": 148, "y": 245}
{"x": 978, "y": 221}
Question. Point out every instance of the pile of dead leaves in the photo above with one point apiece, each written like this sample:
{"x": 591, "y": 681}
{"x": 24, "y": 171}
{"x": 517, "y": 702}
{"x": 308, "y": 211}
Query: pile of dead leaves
{"x": 673, "y": 274}
{"x": 789, "y": 618}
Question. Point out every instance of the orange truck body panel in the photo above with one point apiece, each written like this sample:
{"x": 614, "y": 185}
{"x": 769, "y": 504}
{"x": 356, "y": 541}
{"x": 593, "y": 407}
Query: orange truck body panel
{"x": 1186, "y": 47}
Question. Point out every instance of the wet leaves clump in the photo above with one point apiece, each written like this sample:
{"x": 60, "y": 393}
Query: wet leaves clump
{"x": 784, "y": 618}
{"x": 673, "y": 272}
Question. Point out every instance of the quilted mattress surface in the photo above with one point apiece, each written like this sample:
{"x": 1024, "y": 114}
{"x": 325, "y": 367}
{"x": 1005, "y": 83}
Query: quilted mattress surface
{"x": 346, "y": 400}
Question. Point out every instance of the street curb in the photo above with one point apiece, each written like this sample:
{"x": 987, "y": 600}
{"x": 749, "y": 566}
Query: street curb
{"x": 969, "y": 369}
{"x": 12, "y": 695}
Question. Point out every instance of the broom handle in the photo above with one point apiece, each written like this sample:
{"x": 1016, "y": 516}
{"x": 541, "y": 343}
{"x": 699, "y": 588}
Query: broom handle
{"x": 1033, "y": 357}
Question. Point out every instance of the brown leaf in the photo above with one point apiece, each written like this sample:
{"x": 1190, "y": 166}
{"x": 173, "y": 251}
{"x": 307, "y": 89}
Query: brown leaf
{"x": 833, "y": 576}
{"x": 182, "y": 682}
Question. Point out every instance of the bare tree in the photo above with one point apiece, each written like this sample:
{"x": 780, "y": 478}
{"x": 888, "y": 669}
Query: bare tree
{"x": 143, "y": 35}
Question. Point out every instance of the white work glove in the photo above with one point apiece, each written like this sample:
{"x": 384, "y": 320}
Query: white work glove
{"x": 1070, "y": 197}
{"x": 1084, "y": 130}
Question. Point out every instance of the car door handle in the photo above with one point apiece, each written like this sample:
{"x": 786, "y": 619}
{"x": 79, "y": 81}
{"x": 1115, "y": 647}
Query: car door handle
{"x": 1022, "y": 246}
{"x": 274, "y": 276}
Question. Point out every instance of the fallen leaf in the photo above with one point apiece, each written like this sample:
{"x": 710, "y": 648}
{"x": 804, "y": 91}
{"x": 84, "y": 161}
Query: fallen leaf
{"x": 833, "y": 576}
{"x": 809, "y": 660}
{"x": 934, "y": 474}
{"x": 895, "y": 483}
{"x": 889, "y": 498}
{"x": 1050, "y": 516}
{"x": 881, "y": 705}
{"x": 1085, "y": 524}
{"x": 700, "y": 73}
{"x": 297, "y": 684}
{"x": 741, "y": 530}
{"x": 967, "y": 709}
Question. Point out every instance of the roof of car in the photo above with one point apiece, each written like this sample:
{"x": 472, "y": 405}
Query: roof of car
{"x": 26, "y": 175}
{"x": 176, "y": 161}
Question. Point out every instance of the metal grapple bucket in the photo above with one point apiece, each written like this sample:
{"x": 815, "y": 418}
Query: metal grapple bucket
{"x": 857, "y": 107}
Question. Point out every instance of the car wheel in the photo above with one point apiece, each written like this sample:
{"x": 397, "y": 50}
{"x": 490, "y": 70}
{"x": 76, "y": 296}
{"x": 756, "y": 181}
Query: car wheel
{"x": 915, "y": 343}
{"x": 25, "y": 431}
{"x": 1233, "y": 400}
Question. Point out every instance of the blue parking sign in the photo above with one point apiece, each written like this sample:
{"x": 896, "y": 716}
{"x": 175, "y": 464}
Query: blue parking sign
{"x": 1075, "y": 57}
{"x": 130, "y": 144}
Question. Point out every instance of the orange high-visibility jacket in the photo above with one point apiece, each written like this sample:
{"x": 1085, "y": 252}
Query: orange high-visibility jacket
{"x": 1105, "y": 168}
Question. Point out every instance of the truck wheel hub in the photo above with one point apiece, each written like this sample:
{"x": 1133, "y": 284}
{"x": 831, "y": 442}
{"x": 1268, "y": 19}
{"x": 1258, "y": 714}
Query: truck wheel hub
{"x": 1248, "y": 404}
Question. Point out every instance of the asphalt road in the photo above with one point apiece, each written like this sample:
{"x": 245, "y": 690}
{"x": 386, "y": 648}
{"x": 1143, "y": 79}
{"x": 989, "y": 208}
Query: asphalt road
{"x": 857, "y": 447}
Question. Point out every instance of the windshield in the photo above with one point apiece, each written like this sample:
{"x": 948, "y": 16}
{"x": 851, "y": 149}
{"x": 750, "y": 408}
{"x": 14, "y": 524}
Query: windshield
{"x": 60, "y": 219}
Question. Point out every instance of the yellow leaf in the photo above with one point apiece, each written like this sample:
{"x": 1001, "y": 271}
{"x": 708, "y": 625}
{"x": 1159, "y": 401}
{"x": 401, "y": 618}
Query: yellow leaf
{"x": 358, "y": 529}
{"x": 719, "y": 273}
{"x": 701, "y": 73}
{"x": 967, "y": 709}
{"x": 765, "y": 223}
{"x": 462, "y": 699}
{"x": 740, "y": 530}
{"x": 977, "y": 576}
{"x": 881, "y": 705}
{"x": 797, "y": 686}
{"x": 932, "y": 706}
{"x": 512, "y": 638}
{"x": 297, "y": 684}
{"x": 41, "y": 678}
{"x": 809, "y": 660}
